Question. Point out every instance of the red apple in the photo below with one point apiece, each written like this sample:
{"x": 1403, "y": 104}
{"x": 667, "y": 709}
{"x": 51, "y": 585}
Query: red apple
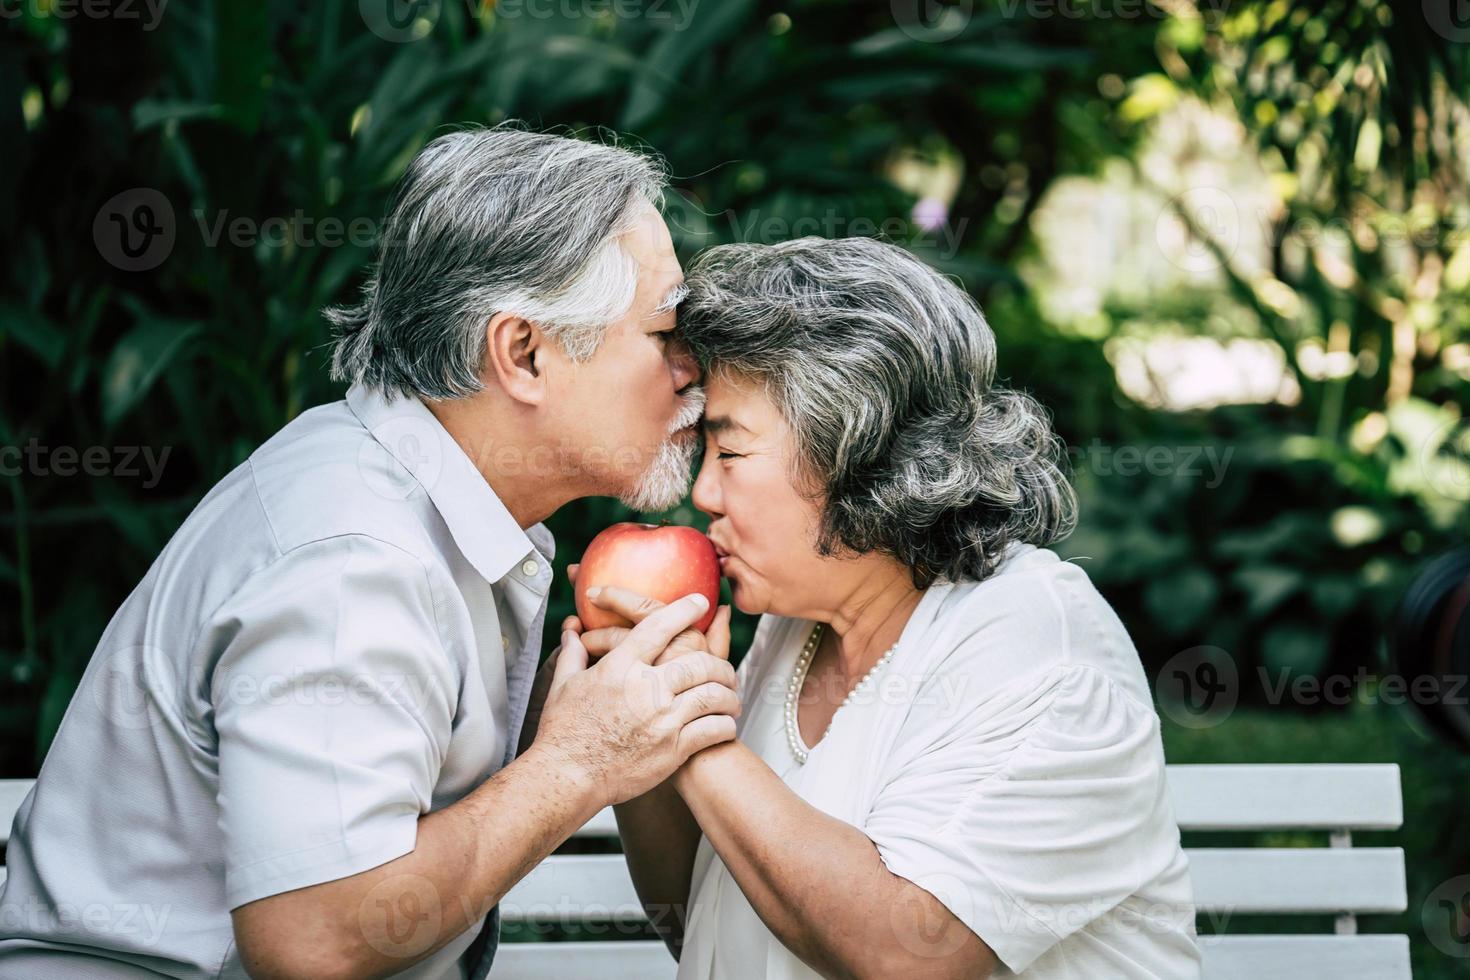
{"x": 664, "y": 562}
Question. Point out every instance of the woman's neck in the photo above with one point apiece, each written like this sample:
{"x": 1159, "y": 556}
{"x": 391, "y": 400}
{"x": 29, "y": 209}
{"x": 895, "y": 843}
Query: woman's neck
{"x": 871, "y": 616}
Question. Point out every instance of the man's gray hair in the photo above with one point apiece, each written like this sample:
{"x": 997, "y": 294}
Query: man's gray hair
{"x": 489, "y": 221}
{"x": 883, "y": 370}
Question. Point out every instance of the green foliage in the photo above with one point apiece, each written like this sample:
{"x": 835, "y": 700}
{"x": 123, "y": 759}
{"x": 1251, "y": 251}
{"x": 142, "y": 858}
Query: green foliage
{"x": 271, "y": 135}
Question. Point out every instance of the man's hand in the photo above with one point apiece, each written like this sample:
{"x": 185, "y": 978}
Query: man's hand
{"x": 628, "y": 721}
{"x": 635, "y": 608}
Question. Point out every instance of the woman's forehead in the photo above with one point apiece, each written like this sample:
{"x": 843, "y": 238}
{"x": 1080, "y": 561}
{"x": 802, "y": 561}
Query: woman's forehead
{"x": 737, "y": 404}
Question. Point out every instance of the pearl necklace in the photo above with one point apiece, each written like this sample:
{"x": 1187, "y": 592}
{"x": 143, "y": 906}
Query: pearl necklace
{"x": 798, "y": 678}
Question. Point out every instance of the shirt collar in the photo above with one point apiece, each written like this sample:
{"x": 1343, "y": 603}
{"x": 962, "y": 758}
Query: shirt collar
{"x": 414, "y": 453}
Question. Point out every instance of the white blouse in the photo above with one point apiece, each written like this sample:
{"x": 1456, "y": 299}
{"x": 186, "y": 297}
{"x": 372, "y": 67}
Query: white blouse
{"x": 1008, "y": 761}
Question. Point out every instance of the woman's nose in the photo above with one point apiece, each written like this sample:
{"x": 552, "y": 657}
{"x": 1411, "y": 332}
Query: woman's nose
{"x": 706, "y": 495}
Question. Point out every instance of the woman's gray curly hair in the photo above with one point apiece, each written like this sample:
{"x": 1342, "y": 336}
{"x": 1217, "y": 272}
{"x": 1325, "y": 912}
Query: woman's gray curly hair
{"x": 883, "y": 370}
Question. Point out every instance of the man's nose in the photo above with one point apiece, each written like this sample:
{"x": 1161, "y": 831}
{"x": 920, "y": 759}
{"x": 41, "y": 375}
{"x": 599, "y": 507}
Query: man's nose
{"x": 686, "y": 367}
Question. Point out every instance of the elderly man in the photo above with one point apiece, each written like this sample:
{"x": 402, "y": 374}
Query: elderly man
{"x": 294, "y": 752}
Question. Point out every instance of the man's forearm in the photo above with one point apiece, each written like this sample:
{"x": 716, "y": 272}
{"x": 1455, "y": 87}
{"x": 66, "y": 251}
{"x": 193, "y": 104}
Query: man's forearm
{"x": 466, "y": 857}
{"x": 659, "y": 838}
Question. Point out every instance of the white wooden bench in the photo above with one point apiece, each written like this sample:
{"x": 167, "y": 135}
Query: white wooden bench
{"x": 593, "y": 891}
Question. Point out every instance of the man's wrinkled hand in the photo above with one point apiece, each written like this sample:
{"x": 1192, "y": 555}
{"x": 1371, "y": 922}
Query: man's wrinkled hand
{"x": 635, "y": 608}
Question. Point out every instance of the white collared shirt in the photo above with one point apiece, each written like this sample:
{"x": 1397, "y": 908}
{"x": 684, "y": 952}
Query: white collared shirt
{"x": 340, "y": 639}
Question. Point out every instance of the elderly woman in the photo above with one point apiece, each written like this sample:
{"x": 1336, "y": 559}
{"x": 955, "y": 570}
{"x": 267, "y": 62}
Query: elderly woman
{"x": 949, "y": 764}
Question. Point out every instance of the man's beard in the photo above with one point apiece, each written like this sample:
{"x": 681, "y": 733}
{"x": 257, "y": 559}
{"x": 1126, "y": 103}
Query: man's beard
{"x": 666, "y": 480}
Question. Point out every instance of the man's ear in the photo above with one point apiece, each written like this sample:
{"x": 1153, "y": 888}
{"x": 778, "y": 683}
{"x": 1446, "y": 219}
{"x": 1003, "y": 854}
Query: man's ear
{"x": 515, "y": 357}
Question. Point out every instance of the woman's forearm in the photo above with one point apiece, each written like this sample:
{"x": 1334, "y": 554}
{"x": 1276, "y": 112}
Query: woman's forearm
{"x": 789, "y": 858}
{"x": 817, "y": 882}
{"x": 659, "y": 838}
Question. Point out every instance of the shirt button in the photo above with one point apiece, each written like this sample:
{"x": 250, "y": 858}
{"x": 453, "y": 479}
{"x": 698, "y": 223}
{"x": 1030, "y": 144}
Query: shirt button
{"x": 529, "y": 568}
{"x": 504, "y": 642}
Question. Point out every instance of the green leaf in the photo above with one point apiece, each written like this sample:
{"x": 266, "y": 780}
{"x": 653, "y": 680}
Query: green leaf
{"x": 242, "y": 57}
{"x": 1296, "y": 649}
{"x": 1180, "y": 601}
{"x": 33, "y": 332}
{"x": 1335, "y": 595}
{"x": 1267, "y": 587}
{"x": 137, "y": 361}
{"x": 155, "y": 112}
{"x": 709, "y": 24}
{"x": 1151, "y": 96}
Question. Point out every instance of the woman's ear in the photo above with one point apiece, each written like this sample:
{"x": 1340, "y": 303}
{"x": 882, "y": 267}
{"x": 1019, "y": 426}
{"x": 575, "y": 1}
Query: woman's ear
{"x": 515, "y": 357}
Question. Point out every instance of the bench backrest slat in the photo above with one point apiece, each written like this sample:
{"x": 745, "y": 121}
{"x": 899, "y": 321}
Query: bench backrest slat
{"x": 1227, "y": 881}
{"x": 1225, "y": 958}
{"x": 1249, "y": 797}
{"x": 1298, "y": 881}
{"x": 1253, "y": 797}
{"x": 1287, "y": 797}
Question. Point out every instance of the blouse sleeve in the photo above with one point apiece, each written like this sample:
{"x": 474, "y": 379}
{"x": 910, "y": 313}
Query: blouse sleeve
{"x": 1032, "y": 811}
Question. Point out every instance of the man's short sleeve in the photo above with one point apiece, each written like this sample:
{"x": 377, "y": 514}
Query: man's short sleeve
{"x": 333, "y": 704}
{"x": 1031, "y": 813}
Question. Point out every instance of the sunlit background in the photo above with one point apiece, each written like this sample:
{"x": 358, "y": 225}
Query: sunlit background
{"x": 1225, "y": 242}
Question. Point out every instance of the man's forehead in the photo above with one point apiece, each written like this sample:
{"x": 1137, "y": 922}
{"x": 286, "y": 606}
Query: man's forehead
{"x": 649, "y": 241}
